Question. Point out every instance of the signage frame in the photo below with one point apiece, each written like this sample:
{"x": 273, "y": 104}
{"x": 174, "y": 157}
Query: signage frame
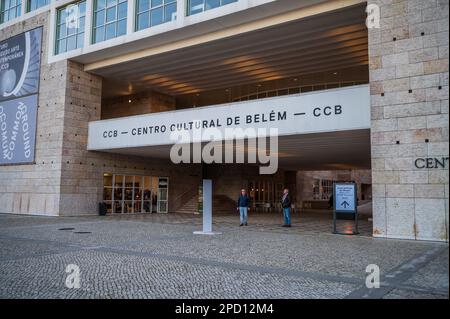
{"x": 353, "y": 212}
{"x": 39, "y": 30}
{"x": 292, "y": 115}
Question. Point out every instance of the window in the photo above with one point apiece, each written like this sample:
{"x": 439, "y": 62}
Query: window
{"x": 110, "y": 19}
{"x": 135, "y": 194}
{"x": 70, "y": 27}
{"x": 35, "y": 4}
{"x": 9, "y": 9}
{"x": 197, "y": 6}
{"x": 322, "y": 189}
{"x": 153, "y": 12}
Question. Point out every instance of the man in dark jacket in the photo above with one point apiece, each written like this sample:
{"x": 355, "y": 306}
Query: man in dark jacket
{"x": 286, "y": 205}
{"x": 243, "y": 206}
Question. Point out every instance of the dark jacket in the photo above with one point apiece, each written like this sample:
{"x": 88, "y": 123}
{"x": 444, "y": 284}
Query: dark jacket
{"x": 286, "y": 203}
{"x": 243, "y": 201}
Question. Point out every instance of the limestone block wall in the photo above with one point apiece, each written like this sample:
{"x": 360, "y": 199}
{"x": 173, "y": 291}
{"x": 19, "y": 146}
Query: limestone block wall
{"x": 82, "y": 170}
{"x": 305, "y": 180}
{"x": 67, "y": 179}
{"x": 135, "y": 104}
{"x": 409, "y": 100}
{"x": 35, "y": 189}
{"x": 229, "y": 179}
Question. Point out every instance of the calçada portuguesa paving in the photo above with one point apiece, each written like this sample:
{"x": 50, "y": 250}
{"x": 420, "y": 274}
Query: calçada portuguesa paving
{"x": 158, "y": 256}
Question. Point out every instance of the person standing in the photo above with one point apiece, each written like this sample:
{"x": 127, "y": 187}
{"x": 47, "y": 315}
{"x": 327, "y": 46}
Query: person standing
{"x": 286, "y": 205}
{"x": 243, "y": 206}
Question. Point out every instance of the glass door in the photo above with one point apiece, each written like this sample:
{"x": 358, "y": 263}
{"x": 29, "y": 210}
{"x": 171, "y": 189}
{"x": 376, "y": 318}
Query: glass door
{"x": 137, "y": 194}
{"x": 147, "y": 195}
{"x": 128, "y": 194}
{"x": 118, "y": 193}
{"x": 163, "y": 192}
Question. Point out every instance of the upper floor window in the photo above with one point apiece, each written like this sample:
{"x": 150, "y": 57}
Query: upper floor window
{"x": 153, "y": 12}
{"x": 9, "y": 9}
{"x": 35, "y": 4}
{"x": 70, "y": 22}
{"x": 110, "y": 19}
{"x": 197, "y": 6}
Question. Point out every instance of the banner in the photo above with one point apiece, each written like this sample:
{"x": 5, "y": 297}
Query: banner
{"x": 322, "y": 111}
{"x": 20, "y": 60}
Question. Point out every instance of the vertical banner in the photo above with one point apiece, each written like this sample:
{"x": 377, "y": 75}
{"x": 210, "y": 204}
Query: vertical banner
{"x": 20, "y": 61}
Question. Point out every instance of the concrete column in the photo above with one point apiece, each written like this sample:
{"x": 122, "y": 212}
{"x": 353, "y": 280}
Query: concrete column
{"x": 207, "y": 209}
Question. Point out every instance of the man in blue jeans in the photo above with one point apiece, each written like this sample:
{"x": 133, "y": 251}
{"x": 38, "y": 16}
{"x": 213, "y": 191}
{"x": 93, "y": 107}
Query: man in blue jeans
{"x": 286, "y": 205}
{"x": 243, "y": 206}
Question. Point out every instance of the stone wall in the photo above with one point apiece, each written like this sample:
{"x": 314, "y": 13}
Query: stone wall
{"x": 34, "y": 189}
{"x": 305, "y": 180}
{"x": 136, "y": 104}
{"x": 82, "y": 170}
{"x": 409, "y": 98}
{"x": 66, "y": 178}
{"x": 229, "y": 179}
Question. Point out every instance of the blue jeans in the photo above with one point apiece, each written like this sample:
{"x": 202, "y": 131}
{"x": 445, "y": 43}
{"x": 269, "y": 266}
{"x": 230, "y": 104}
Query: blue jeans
{"x": 287, "y": 215}
{"x": 243, "y": 212}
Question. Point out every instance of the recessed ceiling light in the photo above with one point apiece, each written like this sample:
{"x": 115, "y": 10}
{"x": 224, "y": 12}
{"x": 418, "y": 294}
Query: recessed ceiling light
{"x": 129, "y": 101}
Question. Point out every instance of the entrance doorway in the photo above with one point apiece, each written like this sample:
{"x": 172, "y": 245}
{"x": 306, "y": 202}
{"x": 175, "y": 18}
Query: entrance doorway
{"x": 264, "y": 194}
{"x": 124, "y": 194}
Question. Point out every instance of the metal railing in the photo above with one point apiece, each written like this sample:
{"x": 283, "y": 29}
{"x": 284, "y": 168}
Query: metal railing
{"x": 296, "y": 90}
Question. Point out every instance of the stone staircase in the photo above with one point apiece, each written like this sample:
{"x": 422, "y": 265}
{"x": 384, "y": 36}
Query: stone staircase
{"x": 190, "y": 207}
{"x": 221, "y": 205}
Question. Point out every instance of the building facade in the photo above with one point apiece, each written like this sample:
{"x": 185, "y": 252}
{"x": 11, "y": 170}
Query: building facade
{"x": 82, "y": 80}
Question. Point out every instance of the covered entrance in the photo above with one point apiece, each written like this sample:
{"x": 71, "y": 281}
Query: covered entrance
{"x": 307, "y": 78}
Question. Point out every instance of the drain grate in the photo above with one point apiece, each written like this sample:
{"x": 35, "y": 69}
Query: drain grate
{"x": 82, "y": 232}
{"x": 66, "y": 228}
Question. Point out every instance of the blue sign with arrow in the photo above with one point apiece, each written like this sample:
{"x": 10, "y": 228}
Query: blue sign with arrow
{"x": 345, "y": 197}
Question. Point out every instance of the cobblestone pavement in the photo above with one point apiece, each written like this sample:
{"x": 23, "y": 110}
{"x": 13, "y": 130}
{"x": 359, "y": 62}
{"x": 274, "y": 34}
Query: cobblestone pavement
{"x": 158, "y": 256}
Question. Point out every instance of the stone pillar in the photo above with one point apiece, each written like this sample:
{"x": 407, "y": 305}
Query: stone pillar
{"x": 81, "y": 174}
{"x": 409, "y": 99}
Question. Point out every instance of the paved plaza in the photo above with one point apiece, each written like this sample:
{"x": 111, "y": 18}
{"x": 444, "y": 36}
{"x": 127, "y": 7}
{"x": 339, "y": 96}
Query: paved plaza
{"x": 158, "y": 256}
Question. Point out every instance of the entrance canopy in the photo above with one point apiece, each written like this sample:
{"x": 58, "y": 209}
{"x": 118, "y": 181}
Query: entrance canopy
{"x": 326, "y": 129}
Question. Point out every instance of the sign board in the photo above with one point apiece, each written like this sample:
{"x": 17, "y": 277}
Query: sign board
{"x": 345, "y": 197}
{"x": 345, "y": 205}
{"x": 322, "y": 111}
{"x": 20, "y": 61}
{"x": 18, "y": 130}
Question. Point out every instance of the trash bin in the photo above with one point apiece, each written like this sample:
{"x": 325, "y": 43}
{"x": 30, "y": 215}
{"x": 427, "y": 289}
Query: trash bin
{"x": 102, "y": 209}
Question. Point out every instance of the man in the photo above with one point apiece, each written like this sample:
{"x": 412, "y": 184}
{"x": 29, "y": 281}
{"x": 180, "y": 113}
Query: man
{"x": 286, "y": 205}
{"x": 242, "y": 206}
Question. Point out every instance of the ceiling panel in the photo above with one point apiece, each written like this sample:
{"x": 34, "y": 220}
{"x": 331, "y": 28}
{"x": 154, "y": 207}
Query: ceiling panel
{"x": 321, "y": 43}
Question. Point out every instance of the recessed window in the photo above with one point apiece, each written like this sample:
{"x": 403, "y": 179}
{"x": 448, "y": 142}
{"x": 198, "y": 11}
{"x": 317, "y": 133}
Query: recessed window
{"x": 70, "y": 21}
{"x": 9, "y": 9}
{"x": 110, "y": 19}
{"x": 153, "y": 12}
{"x": 35, "y": 4}
{"x": 197, "y": 6}
{"x": 135, "y": 194}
